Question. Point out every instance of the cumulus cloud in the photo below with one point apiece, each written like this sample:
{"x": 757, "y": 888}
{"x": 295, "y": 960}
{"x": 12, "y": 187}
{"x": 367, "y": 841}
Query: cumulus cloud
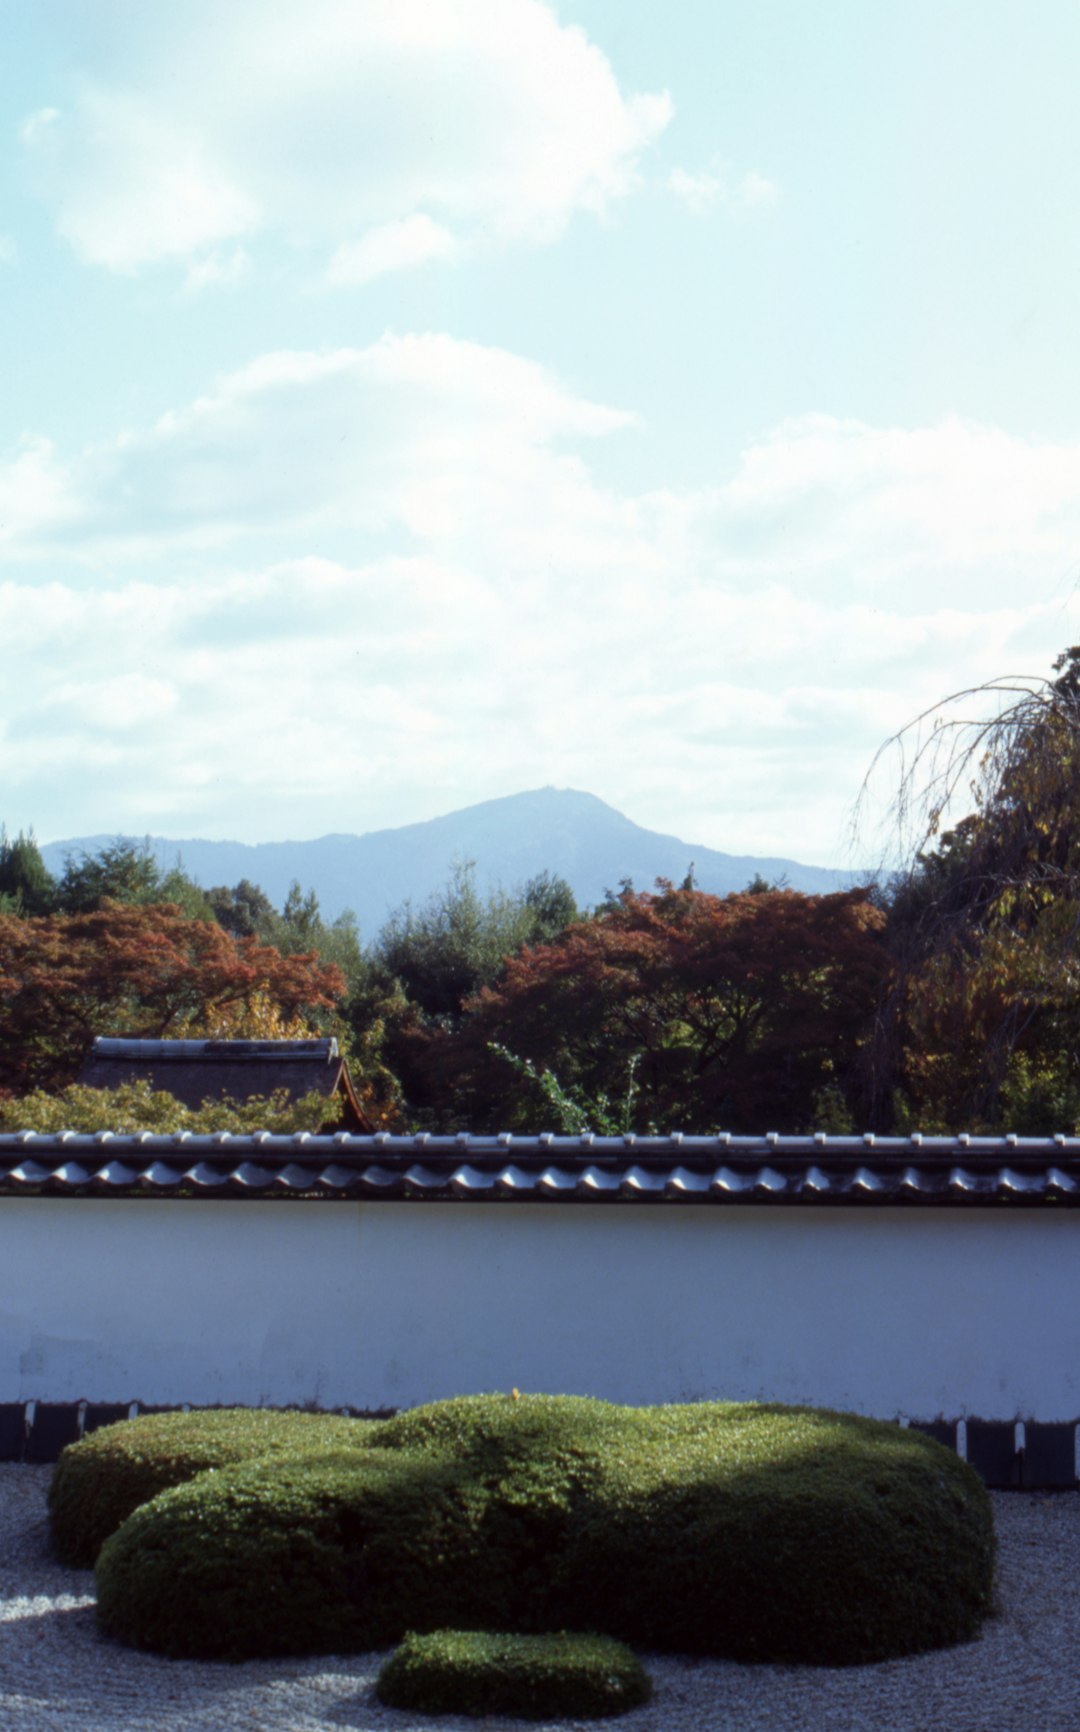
{"x": 395, "y": 246}
{"x": 392, "y": 577}
{"x": 218, "y": 270}
{"x": 384, "y": 130}
{"x": 851, "y": 505}
{"x": 132, "y": 184}
{"x": 718, "y": 187}
{"x": 444, "y": 441}
{"x": 37, "y": 493}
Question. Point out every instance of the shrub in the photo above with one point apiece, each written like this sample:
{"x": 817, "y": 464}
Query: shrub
{"x": 136, "y": 1106}
{"x": 531, "y": 1677}
{"x": 754, "y": 1532}
{"x": 287, "y": 1555}
{"x": 98, "y": 1482}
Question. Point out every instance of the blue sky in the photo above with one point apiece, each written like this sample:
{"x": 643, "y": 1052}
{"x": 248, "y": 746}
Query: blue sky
{"x": 407, "y": 402}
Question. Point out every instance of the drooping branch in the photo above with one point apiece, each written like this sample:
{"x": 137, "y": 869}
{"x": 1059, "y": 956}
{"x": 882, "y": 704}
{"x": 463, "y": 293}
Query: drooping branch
{"x": 984, "y": 918}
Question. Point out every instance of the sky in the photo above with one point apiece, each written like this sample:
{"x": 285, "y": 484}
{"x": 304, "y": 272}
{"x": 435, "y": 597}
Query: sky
{"x": 405, "y": 403}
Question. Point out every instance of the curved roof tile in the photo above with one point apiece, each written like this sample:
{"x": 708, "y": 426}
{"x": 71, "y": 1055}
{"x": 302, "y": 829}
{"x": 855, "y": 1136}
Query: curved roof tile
{"x": 724, "y": 1170}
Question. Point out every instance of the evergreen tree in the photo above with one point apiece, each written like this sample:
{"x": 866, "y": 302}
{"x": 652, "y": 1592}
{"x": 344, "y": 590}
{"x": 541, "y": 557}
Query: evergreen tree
{"x": 26, "y": 884}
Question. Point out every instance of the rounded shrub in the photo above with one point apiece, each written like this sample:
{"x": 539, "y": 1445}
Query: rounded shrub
{"x": 531, "y": 1677}
{"x": 99, "y": 1481}
{"x": 753, "y": 1532}
{"x": 295, "y": 1555}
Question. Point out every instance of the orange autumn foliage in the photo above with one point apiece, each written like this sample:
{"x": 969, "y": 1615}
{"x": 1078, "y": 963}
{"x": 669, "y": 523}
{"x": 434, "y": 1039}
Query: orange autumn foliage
{"x": 736, "y": 1011}
{"x": 136, "y": 970}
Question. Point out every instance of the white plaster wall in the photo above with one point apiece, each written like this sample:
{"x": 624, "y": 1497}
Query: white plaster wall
{"x": 917, "y": 1312}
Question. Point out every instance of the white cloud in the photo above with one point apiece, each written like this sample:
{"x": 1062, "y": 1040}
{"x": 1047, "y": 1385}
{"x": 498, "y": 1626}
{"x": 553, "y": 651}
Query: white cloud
{"x": 394, "y": 246}
{"x": 218, "y": 270}
{"x": 126, "y": 703}
{"x": 36, "y": 492}
{"x": 392, "y": 574}
{"x": 423, "y": 436}
{"x": 958, "y": 506}
{"x": 718, "y": 186}
{"x": 335, "y": 122}
{"x": 132, "y": 184}
{"x": 38, "y": 129}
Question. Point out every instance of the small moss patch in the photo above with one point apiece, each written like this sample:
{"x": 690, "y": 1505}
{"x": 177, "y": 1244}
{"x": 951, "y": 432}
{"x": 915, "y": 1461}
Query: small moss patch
{"x": 98, "y": 1482}
{"x": 532, "y": 1677}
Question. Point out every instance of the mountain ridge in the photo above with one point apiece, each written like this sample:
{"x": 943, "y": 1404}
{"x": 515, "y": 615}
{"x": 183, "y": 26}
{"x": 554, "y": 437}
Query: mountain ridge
{"x": 511, "y": 839}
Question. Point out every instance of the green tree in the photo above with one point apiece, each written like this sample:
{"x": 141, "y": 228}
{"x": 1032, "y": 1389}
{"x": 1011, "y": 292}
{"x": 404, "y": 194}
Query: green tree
{"x": 241, "y": 910}
{"x": 26, "y": 884}
{"x": 300, "y": 928}
{"x": 551, "y": 906}
{"x": 443, "y": 952}
{"x": 126, "y": 872}
{"x": 427, "y": 962}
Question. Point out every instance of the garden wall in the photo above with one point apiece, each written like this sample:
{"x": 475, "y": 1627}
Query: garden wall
{"x": 918, "y": 1312}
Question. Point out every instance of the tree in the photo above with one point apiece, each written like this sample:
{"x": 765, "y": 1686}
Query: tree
{"x": 983, "y": 1017}
{"x": 551, "y": 906}
{"x": 26, "y": 884}
{"x": 457, "y": 942}
{"x": 126, "y": 871}
{"x": 300, "y": 928}
{"x": 727, "y": 1013}
{"x": 241, "y": 910}
{"x": 428, "y": 962}
{"x": 134, "y": 970}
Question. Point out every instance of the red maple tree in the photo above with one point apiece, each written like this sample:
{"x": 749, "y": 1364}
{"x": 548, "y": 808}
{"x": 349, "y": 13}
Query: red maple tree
{"x": 738, "y": 1010}
{"x": 134, "y": 970}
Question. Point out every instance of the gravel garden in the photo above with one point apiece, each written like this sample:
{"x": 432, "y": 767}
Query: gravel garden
{"x": 523, "y": 1551}
{"x": 552, "y": 1559}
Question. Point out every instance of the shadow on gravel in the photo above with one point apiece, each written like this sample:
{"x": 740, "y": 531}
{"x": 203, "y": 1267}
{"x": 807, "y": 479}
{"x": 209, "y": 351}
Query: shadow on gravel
{"x": 54, "y": 1659}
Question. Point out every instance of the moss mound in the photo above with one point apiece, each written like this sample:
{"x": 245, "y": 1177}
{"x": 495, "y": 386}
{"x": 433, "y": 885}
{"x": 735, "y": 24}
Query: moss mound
{"x": 754, "y": 1532}
{"x": 98, "y": 1482}
{"x": 531, "y": 1677}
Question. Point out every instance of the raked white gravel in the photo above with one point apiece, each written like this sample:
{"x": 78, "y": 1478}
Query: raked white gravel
{"x": 57, "y": 1674}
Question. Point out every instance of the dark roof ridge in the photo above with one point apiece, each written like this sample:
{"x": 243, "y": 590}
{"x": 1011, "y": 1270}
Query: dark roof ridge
{"x": 774, "y": 1169}
{"x": 118, "y": 1046}
{"x": 739, "y": 1146}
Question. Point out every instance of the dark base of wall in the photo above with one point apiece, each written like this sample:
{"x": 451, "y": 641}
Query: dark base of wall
{"x": 1022, "y": 1456}
{"x": 1030, "y": 1455}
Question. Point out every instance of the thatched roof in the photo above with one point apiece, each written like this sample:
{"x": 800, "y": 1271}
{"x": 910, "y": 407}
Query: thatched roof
{"x": 199, "y": 1070}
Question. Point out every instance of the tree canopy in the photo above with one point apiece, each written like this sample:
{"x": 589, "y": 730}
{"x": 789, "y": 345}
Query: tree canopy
{"x": 458, "y": 940}
{"x": 128, "y": 872}
{"x": 735, "y": 1012}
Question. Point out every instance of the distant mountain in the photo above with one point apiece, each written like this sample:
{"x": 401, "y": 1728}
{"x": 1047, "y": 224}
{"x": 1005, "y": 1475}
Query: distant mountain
{"x": 555, "y": 829}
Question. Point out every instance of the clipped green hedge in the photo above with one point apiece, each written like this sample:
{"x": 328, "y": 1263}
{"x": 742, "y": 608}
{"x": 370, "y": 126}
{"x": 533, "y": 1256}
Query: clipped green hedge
{"x": 754, "y": 1532}
{"x": 98, "y": 1482}
{"x": 531, "y": 1677}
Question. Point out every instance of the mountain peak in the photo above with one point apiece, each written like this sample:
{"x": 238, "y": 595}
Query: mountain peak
{"x": 566, "y": 831}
